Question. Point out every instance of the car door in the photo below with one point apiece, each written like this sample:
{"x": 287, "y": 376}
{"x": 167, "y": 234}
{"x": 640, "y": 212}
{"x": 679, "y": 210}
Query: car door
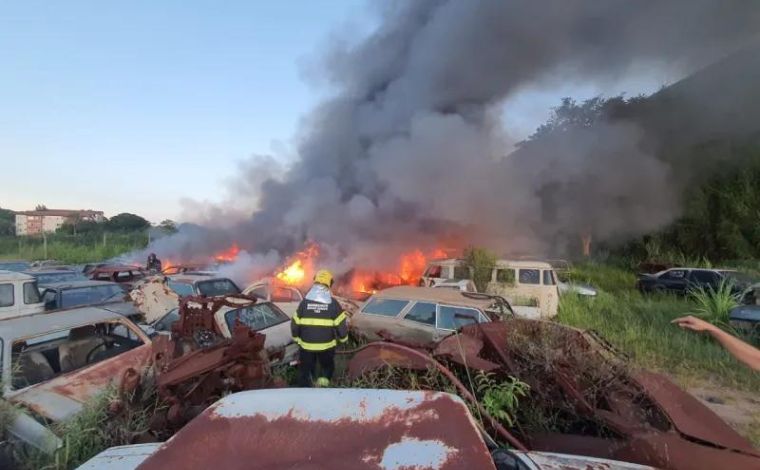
{"x": 450, "y": 318}
{"x": 704, "y": 279}
{"x": 419, "y": 322}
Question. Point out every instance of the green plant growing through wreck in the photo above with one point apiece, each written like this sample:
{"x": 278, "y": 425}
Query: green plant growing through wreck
{"x": 481, "y": 262}
{"x": 500, "y": 399}
{"x": 714, "y": 305}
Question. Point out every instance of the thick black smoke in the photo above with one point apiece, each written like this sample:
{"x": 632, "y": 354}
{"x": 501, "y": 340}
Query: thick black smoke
{"x": 411, "y": 149}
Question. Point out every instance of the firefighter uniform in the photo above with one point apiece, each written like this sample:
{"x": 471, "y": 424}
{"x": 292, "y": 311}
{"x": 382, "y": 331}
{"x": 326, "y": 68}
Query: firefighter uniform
{"x": 318, "y": 326}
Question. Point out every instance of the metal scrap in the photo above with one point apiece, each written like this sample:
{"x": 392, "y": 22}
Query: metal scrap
{"x": 639, "y": 417}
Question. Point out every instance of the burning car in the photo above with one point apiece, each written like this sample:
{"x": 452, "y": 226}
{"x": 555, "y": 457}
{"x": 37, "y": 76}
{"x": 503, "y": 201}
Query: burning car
{"x": 356, "y": 429}
{"x": 53, "y": 363}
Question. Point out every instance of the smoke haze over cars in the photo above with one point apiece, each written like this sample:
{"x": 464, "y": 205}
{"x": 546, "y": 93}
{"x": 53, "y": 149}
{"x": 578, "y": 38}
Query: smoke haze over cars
{"x": 410, "y": 150}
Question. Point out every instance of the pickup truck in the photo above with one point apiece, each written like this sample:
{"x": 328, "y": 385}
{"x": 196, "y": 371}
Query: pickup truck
{"x": 19, "y": 295}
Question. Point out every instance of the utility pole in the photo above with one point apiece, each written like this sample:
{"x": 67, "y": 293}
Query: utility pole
{"x": 44, "y": 244}
{"x": 105, "y": 237}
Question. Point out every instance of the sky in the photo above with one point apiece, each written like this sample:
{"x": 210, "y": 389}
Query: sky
{"x": 133, "y": 106}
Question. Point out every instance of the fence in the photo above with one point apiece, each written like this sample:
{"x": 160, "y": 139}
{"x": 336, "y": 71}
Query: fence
{"x": 78, "y": 248}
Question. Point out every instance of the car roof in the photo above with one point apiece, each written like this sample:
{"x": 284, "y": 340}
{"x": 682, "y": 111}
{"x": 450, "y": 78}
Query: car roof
{"x": 432, "y": 294}
{"x": 48, "y": 270}
{"x": 195, "y": 277}
{"x": 40, "y": 323}
{"x": 78, "y": 284}
{"x": 15, "y": 276}
{"x": 115, "y": 268}
{"x": 500, "y": 263}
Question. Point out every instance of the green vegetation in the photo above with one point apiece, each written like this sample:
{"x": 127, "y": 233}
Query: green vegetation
{"x": 501, "y": 399}
{"x": 639, "y": 326}
{"x": 715, "y": 305}
{"x": 78, "y": 248}
{"x": 480, "y": 263}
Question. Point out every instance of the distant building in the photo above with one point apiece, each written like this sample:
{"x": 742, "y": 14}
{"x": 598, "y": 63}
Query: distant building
{"x": 49, "y": 220}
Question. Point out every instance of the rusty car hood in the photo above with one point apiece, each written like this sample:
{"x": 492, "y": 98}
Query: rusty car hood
{"x": 328, "y": 428}
{"x": 64, "y": 396}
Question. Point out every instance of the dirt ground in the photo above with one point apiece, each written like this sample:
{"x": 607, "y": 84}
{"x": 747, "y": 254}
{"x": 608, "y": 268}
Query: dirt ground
{"x": 738, "y": 408}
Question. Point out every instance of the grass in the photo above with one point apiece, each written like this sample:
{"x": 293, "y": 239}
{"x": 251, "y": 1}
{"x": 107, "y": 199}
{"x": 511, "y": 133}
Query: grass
{"x": 639, "y": 325}
{"x": 70, "y": 248}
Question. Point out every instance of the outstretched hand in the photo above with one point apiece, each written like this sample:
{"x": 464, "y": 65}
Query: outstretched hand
{"x": 693, "y": 323}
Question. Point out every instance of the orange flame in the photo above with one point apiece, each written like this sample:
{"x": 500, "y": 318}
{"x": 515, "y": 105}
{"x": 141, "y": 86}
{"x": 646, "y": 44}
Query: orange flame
{"x": 411, "y": 267}
{"x": 299, "y": 267}
{"x": 228, "y": 255}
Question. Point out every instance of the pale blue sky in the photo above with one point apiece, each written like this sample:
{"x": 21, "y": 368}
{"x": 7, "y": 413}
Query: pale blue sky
{"x": 130, "y": 106}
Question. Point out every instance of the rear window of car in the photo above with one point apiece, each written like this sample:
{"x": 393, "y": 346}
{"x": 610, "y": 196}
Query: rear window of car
{"x": 530, "y": 276}
{"x": 385, "y": 307}
{"x": 256, "y": 317}
{"x": 217, "y": 287}
{"x": 90, "y": 295}
{"x": 6, "y": 295}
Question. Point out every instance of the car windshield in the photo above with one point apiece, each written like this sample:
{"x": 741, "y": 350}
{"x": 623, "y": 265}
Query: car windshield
{"x": 217, "y": 287}
{"x": 165, "y": 323}
{"x": 256, "y": 317}
{"x": 61, "y": 276}
{"x": 90, "y": 295}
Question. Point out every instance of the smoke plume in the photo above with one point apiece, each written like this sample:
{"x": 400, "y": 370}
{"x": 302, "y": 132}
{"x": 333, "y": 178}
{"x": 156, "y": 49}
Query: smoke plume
{"x": 410, "y": 149}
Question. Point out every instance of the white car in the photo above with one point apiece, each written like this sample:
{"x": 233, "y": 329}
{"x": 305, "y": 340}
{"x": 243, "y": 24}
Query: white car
{"x": 283, "y": 296}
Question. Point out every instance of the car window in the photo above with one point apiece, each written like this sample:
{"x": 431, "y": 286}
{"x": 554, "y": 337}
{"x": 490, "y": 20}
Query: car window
{"x": 462, "y": 272}
{"x": 261, "y": 292}
{"x": 90, "y": 295}
{"x": 165, "y": 323}
{"x": 44, "y": 357}
{"x": 704, "y": 277}
{"x": 506, "y": 275}
{"x": 549, "y": 279}
{"x": 385, "y": 307}
{"x": 673, "y": 274}
{"x": 434, "y": 271}
{"x": 103, "y": 277}
{"x": 256, "y": 317}
{"x": 453, "y": 318}
{"x": 181, "y": 288}
{"x": 530, "y": 276}
{"x": 50, "y": 278}
{"x": 6, "y": 295}
{"x": 31, "y": 293}
{"x": 50, "y": 299}
{"x": 422, "y": 312}
{"x": 285, "y": 294}
{"x": 216, "y": 287}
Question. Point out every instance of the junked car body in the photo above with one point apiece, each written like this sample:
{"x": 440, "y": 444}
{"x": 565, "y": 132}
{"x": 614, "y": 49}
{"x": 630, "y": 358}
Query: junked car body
{"x": 530, "y": 286}
{"x": 422, "y": 314}
{"x": 53, "y": 363}
{"x": 123, "y": 274}
{"x": 683, "y": 280}
{"x": 285, "y": 297}
{"x": 74, "y": 294}
{"x": 387, "y": 429}
{"x": 19, "y": 295}
{"x": 52, "y": 275}
{"x": 201, "y": 284}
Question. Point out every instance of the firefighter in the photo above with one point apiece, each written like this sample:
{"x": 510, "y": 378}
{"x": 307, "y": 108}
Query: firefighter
{"x": 318, "y": 326}
{"x": 154, "y": 264}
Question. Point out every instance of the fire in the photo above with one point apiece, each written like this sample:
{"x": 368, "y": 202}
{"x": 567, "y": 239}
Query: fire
{"x": 228, "y": 255}
{"x": 411, "y": 266}
{"x": 167, "y": 264}
{"x": 299, "y": 266}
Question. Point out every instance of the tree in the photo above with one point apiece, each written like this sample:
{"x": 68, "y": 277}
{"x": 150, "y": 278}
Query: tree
{"x": 41, "y": 207}
{"x": 168, "y": 226}
{"x": 126, "y": 222}
{"x": 7, "y": 222}
{"x": 481, "y": 263}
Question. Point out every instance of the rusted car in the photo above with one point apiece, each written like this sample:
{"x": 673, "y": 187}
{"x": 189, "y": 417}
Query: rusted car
{"x": 285, "y": 297}
{"x": 336, "y": 429}
{"x": 53, "y": 363}
{"x": 121, "y": 273}
{"x": 424, "y": 314}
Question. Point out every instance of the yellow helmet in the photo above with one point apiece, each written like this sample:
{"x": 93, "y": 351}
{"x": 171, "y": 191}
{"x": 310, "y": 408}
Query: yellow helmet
{"x": 324, "y": 276}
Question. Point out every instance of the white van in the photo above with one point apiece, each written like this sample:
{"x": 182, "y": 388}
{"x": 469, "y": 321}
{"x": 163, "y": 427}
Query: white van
{"x": 530, "y": 286}
{"x": 19, "y": 295}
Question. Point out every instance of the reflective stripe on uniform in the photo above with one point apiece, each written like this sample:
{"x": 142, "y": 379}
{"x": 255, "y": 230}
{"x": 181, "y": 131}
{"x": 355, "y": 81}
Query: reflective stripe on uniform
{"x": 315, "y": 346}
{"x": 343, "y": 340}
{"x": 319, "y": 321}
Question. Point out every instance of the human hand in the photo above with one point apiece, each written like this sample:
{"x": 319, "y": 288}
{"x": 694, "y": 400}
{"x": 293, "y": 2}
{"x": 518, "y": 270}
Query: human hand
{"x": 693, "y": 323}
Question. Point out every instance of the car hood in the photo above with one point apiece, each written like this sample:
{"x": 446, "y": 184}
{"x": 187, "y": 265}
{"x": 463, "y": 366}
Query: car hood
{"x": 64, "y": 396}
